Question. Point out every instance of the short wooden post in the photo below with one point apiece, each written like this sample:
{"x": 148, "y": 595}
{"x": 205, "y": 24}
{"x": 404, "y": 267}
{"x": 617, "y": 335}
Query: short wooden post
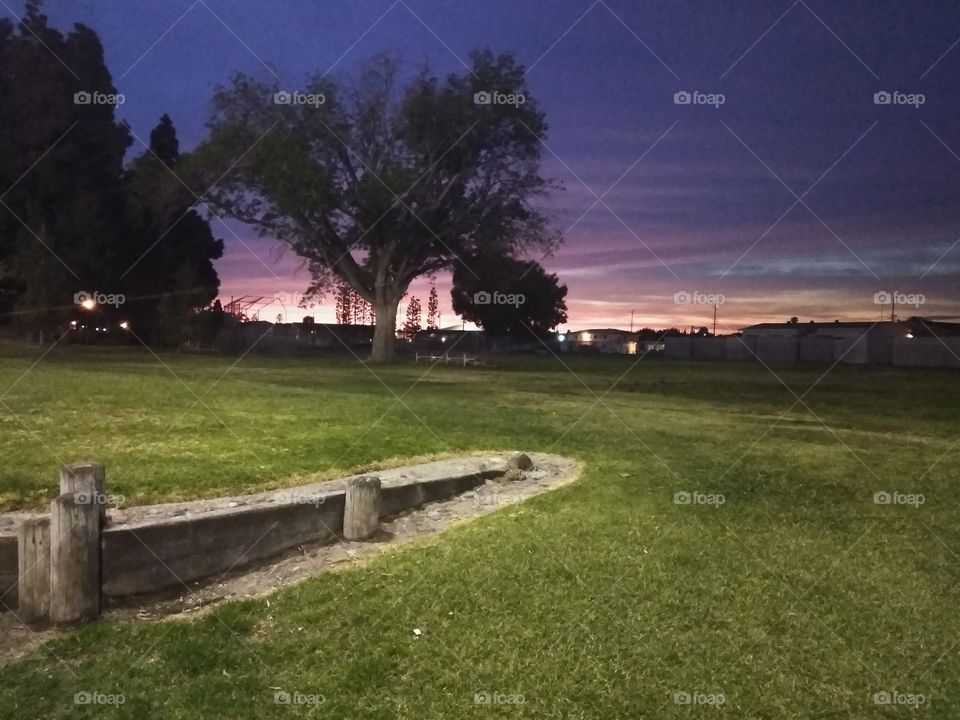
{"x": 74, "y": 559}
{"x": 89, "y": 479}
{"x": 361, "y": 509}
{"x": 33, "y": 573}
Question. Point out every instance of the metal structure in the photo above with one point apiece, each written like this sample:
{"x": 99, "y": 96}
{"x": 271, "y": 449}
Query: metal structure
{"x": 246, "y": 307}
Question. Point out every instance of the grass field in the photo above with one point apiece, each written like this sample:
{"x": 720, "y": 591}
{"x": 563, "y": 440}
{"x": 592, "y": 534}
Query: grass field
{"x": 797, "y": 597}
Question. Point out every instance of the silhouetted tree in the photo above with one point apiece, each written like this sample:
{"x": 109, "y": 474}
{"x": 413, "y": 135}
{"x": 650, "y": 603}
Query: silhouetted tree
{"x": 344, "y": 304}
{"x": 376, "y": 184}
{"x": 169, "y": 262}
{"x": 433, "y": 309}
{"x": 509, "y": 297}
{"x": 412, "y": 325}
{"x": 61, "y": 167}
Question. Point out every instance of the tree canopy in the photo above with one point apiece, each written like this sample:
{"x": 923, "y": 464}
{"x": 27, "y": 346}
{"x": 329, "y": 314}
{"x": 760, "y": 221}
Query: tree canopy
{"x": 73, "y": 217}
{"x": 375, "y": 182}
{"x": 61, "y": 167}
{"x": 508, "y": 297}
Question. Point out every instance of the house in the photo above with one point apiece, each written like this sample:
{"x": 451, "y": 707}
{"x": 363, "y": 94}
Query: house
{"x": 606, "y": 340}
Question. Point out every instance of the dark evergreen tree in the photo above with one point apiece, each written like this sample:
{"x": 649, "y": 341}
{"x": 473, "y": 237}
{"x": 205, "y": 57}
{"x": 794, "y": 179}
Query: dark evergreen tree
{"x": 344, "y": 304}
{"x": 412, "y": 324}
{"x": 433, "y": 309}
{"x": 61, "y": 160}
{"x": 170, "y": 272}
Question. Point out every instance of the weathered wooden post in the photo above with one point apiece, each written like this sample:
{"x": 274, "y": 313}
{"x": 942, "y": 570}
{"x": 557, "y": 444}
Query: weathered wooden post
{"x": 33, "y": 559}
{"x": 74, "y": 559}
{"x": 361, "y": 508}
{"x": 87, "y": 478}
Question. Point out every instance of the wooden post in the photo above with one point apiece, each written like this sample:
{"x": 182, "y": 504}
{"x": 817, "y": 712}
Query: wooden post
{"x": 33, "y": 572}
{"x": 88, "y": 479}
{"x": 74, "y": 559}
{"x": 361, "y": 508}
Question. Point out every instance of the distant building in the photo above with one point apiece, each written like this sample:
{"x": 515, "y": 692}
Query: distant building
{"x": 914, "y": 342}
{"x": 606, "y": 340}
{"x": 835, "y": 329}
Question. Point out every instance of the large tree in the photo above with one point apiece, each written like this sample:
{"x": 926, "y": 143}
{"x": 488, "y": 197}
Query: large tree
{"x": 61, "y": 167}
{"x": 376, "y": 184}
{"x": 168, "y": 261}
{"x": 508, "y": 297}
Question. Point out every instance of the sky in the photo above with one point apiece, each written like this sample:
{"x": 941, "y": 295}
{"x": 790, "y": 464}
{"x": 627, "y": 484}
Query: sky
{"x": 787, "y": 186}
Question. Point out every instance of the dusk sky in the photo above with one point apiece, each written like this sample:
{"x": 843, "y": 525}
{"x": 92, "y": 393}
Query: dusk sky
{"x": 799, "y": 195}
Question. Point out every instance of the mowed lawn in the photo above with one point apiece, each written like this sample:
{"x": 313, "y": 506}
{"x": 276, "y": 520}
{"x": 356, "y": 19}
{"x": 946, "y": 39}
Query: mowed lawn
{"x": 797, "y": 597}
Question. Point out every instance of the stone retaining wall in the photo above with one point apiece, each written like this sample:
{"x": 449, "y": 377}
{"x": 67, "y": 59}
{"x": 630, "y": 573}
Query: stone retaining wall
{"x": 167, "y": 552}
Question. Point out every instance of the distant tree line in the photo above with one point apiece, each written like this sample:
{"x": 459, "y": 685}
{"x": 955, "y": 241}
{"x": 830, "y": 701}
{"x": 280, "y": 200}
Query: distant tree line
{"x": 74, "y": 216}
{"x": 351, "y": 308}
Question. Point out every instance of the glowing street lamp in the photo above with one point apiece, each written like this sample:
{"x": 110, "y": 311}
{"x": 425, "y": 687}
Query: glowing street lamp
{"x": 88, "y": 304}
{"x": 124, "y": 325}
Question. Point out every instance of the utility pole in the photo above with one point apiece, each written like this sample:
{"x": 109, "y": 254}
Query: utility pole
{"x": 715, "y": 306}
{"x": 893, "y": 307}
{"x": 631, "y": 320}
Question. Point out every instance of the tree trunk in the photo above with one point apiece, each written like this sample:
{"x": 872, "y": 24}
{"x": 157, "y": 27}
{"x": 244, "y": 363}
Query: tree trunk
{"x": 385, "y": 330}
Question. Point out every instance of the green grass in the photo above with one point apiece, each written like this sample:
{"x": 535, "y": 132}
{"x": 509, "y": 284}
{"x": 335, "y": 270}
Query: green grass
{"x": 798, "y": 597}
